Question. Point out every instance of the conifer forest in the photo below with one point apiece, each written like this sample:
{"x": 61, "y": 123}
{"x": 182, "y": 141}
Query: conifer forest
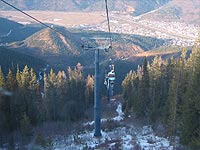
{"x": 167, "y": 91}
{"x": 100, "y": 75}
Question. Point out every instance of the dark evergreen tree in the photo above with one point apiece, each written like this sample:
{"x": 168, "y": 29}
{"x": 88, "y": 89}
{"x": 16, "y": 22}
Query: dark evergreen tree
{"x": 2, "y": 79}
{"x": 155, "y": 90}
{"x": 190, "y": 128}
{"x": 51, "y": 96}
{"x": 25, "y": 77}
{"x": 18, "y": 78}
{"x": 129, "y": 85}
{"x": 144, "y": 103}
{"x": 11, "y": 83}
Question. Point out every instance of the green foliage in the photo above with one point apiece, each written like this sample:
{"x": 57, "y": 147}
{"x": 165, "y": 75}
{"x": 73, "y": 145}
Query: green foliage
{"x": 43, "y": 142}
{"x": 65, "y": 99}
{"x": 11, "y": 83}
{"x": 144, "y": 104}
{"x": 130, "y": 87}
{"x": 136, "y": 90}
{"x": 6, "y": 118}
{"x": 171, "y": 105}
{"x": 25, "y": 126}
{"x": 2, "y": 79}
{"x": 10, "y": 58}
{"x": 191, "y": 103}
{"x": 40, "y": 140}
{"x": 25, "y": 77}
{"x": 173, "y": 88}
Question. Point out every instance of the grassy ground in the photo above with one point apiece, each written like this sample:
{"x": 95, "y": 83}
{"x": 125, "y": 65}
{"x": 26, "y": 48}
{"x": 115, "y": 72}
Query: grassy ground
{"x": 67, "y": 19}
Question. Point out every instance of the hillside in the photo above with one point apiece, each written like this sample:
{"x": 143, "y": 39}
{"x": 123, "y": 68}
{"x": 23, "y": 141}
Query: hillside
{"x": 66, "y": 49}
{"x": 50, "y": 42}
{"x": 136, "y": 6}
{"x": 7, "y": 25}
{"x": 177, "y": 10}
{"x": 10, "y": 31}
{"x": 11, "y": 59}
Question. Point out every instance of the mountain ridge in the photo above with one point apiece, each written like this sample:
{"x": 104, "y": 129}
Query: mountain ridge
{"x": 60, "y": 49}
{"x": 177, "y": 10}
{"x": 137, "y": 6}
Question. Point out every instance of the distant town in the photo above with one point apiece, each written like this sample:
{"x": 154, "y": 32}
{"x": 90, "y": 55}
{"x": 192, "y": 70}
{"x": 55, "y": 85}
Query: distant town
{"x": 177, "y": 33}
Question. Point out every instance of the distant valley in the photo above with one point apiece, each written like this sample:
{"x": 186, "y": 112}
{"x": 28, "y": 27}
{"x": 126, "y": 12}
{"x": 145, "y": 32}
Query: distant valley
{"x": 46, "y": 44}
{"x": 45, "y": 47}
{"x": 136, "y": 32}
{"x": 149, "y": 71}
{"x": 175, "y": 20}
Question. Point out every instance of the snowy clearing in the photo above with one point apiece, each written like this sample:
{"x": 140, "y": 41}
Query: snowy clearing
{"x": 125, "y": 138}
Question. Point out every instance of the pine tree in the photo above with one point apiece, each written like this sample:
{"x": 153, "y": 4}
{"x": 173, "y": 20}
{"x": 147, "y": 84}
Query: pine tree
{"x": 77, "y": 85}
{"x": 25, "y": 126}
{"x": 144, "y": 104}
{"x": 46, "y": 84}
{"x": 52, "y": 77}
{"x": 172, "y": 107}
{"x": 89, "y": 91}
{"x": 52, "y": 96}
{"x": 2, "y": 79}
{"x": 32, "y": 80}
{"x": 11, "y": 81}
{"x": 18, "y": 78}
{"x": 25, "y": 77}
{"x": 130, "y": 85}
{"x": 61, "y": 92}
{"x": 32, "y": 99}
{"x": 191, "y": 104}
{"x": 155, "y": 89}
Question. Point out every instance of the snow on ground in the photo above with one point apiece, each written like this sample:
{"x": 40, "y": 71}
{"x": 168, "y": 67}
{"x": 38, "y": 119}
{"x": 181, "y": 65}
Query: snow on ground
{"x": 119, "y": 117}
{"x": 120, "y": 113}
{"x": 56, "y": 19}
{"x": 24, "y": 22}
{"x": 125, "y": 138}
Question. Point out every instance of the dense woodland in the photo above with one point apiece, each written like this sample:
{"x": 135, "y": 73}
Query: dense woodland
{"x": 11, "y": 59}
{"x": 164, "y": 91}
{"x": 168, "y": 92}
{"x": 64, "y": 98}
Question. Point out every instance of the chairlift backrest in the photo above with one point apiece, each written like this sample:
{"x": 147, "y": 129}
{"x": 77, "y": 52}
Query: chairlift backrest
{"x": 111, "y": 75}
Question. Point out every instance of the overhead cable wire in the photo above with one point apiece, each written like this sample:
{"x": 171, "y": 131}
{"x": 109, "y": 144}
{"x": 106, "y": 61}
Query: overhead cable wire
{"x": 108, "y": 20}
{"x": 32, "y": 17}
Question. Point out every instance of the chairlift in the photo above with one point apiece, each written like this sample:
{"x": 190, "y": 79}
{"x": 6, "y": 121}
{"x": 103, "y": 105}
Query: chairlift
{"x": 93, "y": 43}
{"x": 109, "y": 81}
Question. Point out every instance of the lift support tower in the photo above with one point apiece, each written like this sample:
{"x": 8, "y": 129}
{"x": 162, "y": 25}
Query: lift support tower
{"x": 97, "y": 108}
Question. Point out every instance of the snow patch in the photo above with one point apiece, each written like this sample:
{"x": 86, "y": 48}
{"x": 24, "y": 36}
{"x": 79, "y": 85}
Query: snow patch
{"x": 127, "y": 142}
{"x": 120, "y": 113}
{"x": 125, "y": 138}
{"x": 147, "y": 130}
{"x": 24, "y": 22}
{"x": 120, "y": 117}
{"x": 56, "y": 19}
